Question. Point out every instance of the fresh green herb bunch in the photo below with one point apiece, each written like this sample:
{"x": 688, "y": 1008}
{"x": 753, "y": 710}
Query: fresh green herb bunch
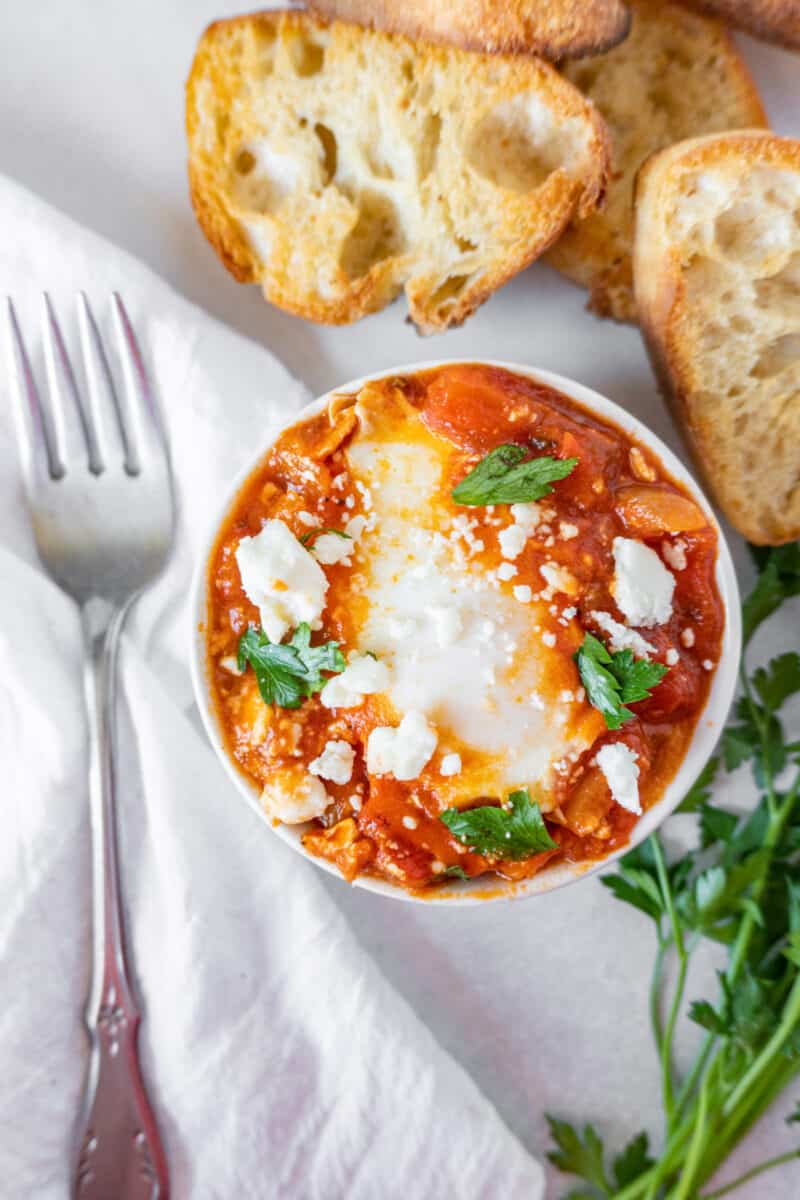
{"x": 740, "y": 888}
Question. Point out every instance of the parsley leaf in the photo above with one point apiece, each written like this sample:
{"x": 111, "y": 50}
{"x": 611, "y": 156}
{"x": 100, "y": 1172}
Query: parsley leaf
{"x": 699, "y": 793}
{"x": 313, "y": 534}
{"x": 632, "y": 1162}
{"x": 578, "y": 1152}
{"x": 779, "y": 579}
{"x": 455, "y": 872}
{"x": 503, "y": 478}
{"x": 288, "y": 672}
{"x": 614, "y": 680}
{"x": 779, "y": 680}
{"x": 513, "y": 832}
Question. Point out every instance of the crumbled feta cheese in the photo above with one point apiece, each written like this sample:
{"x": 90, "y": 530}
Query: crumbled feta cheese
{"x": 687, "y": 637}
{"x": 620, "y": 767}
{"x": 335, "y": 762}
{"x": 527, "y": 515}
{"x": 620, "y": 637}
{"x": 330, "y": 548}
{"x": 447, "y": 623}
{"x": 307, "y": 519}
{"x": 349, "y": 501}
{"x": 708, "y": 664}
{"x": 356, "y": 526}
{"x": 437, "y": 867}
{"x": 672, "y": 658}
{"x": 362, "y": 676}
{"x": 230, "y": 663}
{"x": 523, "y": 593}
{"x": 512, "y": 541}
{"x": 643, "y": 586}
{"x": 569, "y": 613}
{"x": 281, "y": 579}
{"x": 355, "y": 802}
{"x": 675, "y": 554}
{"x": 403, "y": 750}
{"x": 559, "y": 578}
{"x": 568, "y": 530}
{"x": 450, "y": 765}
{"x": 549, "y": 639}
{"x": 506, "y": 571}
{"x": 294, "y": 796}
{"x": 410, "y": 822}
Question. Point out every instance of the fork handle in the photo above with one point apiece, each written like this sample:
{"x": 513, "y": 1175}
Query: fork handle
{"x": 120, "y": 1155}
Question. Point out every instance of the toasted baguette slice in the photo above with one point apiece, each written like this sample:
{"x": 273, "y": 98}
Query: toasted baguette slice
{"x": 676, "y": 75}
{"x": 335, "y": 166}
{"x": 775, "y": 21}
{"x": 553, "y": 28}
{"x": 717, "y": 271}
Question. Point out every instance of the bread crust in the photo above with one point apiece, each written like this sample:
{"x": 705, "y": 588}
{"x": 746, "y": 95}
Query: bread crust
{"x": 523, "y": 231}
{"x": 673, "y": 343}
{"x": 776, "y": 21}
{"x": 555, "y": 29}
{"x": 664, "y": 57}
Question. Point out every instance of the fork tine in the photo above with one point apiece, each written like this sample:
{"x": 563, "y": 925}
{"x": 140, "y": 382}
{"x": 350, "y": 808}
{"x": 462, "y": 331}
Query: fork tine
{"x": 146, "y": 434}
{"x": 75, "y": 436}
{"x": 35, "y": 436}
{"x": 102, "y": 394}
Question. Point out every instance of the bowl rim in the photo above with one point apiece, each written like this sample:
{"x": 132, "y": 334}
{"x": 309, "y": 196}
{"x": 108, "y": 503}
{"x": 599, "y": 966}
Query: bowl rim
{"x": 709, "y": 723}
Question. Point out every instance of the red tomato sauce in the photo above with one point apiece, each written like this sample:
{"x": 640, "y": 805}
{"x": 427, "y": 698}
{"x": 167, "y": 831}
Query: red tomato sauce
{"x": 618, "y": 489}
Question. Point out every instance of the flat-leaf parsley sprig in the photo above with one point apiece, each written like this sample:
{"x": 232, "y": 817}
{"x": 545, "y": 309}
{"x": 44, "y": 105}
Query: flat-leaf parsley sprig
{"x": 741, "y": 889}
{"x": 288, "y": 672}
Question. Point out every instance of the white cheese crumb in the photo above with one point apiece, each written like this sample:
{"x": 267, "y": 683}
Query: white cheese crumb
{"x": 620, "y": 767}
{"x": 340, "y": 481}
{"x": 362, "y": 676}
{"x": 294, "y": 796}
{"x": 559, "y": 578}
{"x": 672, "y": 658}
{"x": 403, "y": 750}
{"x": 506, "y": 571}
{"x": 450, "y": 765}
{"x": 549, "y": 639}
{"x": 675, "y": 554}
{"x": 708, "y": 664}
{"x": 437, "y": 867}
{"x": 335, "y": 762}
{"x": 330, "y": 548}
{"x": 527, "y": 515}
{"x": 620, "y": 637}
{"x": 356, "y": 526}
{"x": 410, "y": 822}
{"x": 568, "y": 530}
{"x": 307, "y": 518}
{"x": 447, "y": 624}
{"x": 350, "y": 501}
{"x": 687, "y": 637}
{"x": 523, "y": 593}
{"x": 281, "y": 579}
{"x": 355, "y": 802}
{"x": 230, "y": 663}
{"x": 569, "y": 613}
{"x": 643, "y": 586}
{"x": 512, "y": 541}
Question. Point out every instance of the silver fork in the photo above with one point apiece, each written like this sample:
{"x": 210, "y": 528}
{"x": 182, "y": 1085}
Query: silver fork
{"x": 98, "y": 486}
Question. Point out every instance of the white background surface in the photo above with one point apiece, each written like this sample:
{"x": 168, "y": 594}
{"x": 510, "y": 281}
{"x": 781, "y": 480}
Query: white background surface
{"x": 543, "y": 1002}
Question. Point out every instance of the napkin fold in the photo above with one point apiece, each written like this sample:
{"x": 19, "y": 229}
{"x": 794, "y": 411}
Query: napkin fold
{"x": 279, "y": 1060}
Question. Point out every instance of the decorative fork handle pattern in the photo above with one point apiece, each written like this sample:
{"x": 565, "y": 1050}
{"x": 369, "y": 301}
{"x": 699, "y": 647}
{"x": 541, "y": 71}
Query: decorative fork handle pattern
{"x": 120, "y": 1156}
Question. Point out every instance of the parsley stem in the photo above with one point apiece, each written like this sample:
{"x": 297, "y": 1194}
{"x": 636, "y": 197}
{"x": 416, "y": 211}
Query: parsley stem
{"x": 753, "y": 1173}
{"x": 789, "y": 1021}
{"x": 749, "y": 1112}
{"x": 683, "y": 963}
{"x": 686, "y": 1188}
{"x": 655, "y": 992}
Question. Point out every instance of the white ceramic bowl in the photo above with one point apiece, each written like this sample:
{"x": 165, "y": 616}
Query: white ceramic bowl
{"x": 707, "y": 731}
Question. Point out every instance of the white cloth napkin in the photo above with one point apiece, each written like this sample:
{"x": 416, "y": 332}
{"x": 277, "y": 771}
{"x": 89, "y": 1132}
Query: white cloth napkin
{"x": 280, "y": 1061}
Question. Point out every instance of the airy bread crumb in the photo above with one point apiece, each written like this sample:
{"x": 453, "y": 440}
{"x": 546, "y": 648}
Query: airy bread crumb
{"x": 678, "y": 74}
{"x": 717, "y": 271}
{"x": 336, "y": 166}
